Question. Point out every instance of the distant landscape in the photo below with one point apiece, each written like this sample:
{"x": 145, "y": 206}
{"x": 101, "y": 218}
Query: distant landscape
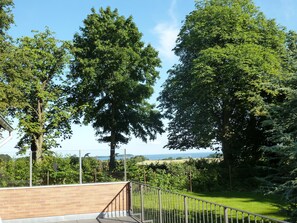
{"x": 170, "y": 156}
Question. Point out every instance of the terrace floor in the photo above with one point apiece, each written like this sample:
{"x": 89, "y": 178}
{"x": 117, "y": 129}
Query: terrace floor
{"x": 106, "y": 220}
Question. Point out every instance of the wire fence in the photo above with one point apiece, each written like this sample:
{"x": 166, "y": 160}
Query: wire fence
{"x": 150, "y": 204}
{"x": 56, "y": 168}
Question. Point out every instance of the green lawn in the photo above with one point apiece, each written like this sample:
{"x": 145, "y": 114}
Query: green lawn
{"x": 247, "y": 201}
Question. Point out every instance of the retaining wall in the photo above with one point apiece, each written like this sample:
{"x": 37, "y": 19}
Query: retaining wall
{"x": 57, "y": 203}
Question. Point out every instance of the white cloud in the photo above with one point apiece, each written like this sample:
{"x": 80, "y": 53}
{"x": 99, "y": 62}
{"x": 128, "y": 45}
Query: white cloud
{"x": 171, "y": 11}
{"x": 167, "y": 33}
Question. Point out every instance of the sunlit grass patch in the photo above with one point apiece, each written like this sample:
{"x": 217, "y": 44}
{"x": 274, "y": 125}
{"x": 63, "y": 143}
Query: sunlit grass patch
{"x": 267, "y": 205}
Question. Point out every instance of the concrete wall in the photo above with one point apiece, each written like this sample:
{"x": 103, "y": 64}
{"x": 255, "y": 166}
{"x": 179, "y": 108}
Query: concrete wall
{"x": 51, "y": 201}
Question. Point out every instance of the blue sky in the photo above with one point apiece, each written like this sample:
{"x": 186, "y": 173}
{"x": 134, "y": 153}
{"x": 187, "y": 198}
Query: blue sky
{"x": 158, "y": 20}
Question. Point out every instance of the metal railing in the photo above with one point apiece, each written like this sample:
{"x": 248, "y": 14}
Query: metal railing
{"x": 150, "y": 204}
{"x": 119, "y": 206}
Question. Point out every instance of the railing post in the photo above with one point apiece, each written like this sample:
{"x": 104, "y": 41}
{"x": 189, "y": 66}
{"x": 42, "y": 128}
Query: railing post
{"x": 160, "y": 205}
{"x": 125, "y": 166}
{"x": 31, "y": 168}
{"x": 186, "y": 209}
{"x": 130, "y": 199}
{"x": 142, "y": 203}
{"x": 225, "y": 215}
{"x": 80, "y": 168}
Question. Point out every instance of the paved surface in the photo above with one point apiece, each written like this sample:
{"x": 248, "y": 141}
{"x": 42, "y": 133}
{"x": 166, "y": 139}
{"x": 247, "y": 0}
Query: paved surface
{"x": 117, "y": 220}
{"x": 106, "y": 220}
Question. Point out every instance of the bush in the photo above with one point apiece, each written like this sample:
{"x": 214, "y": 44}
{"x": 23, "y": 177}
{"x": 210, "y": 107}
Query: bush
{"x": 206, "y": 174}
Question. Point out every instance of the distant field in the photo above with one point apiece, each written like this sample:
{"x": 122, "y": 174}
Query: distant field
{"x": 148, "y": 162}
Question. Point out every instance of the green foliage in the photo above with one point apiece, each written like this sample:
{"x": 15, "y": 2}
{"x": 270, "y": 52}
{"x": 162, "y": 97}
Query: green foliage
{"x": 113, "y": 73}
{"x": 138, "y": 158}
{"x": 168, "y": 176}
{"x": 6, "y": 17}
{"x": 54, "y": 169}
{"x": 14, "y": 172}
{"x": 6, "y": 49}
{"x": 281, "y": 156}
{"x": 206, "y": 175}
{"x": 203, "y": 176}
{"x": 231, "y": 66}
{"x": 36, "y": 71}
{"x": 5, "y": 157}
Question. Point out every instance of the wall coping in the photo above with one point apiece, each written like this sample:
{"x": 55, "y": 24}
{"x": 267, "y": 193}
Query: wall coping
{"x": 62, "y": 185}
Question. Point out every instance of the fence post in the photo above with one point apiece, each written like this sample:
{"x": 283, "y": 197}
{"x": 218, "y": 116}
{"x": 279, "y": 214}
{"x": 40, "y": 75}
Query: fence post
{"x": 160, "y": 205}
{"x": 130, "y": 199}
{"x": 31, "y": 167}
{"x": 186, "y": 209}
{"x": 225, "y": 215}
{"x": 142, "y": 203}
{"x": 125, "y": 166}
{"x": 80, "y": 168}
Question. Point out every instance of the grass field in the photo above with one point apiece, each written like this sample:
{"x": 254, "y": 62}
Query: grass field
{"x": 248, "y": 201}
{"x": 173, "y": 205}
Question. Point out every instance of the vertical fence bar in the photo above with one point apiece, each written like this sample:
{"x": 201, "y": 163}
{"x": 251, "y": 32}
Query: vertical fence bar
{"x": 211, "y": 213}
{"x": 116, "y": 206}
{"x": 207, "y": 216}
{"x": 125, "y": 166}
{"x": 142, "y": 203}
{"x": 129, "y": 199}
{"x": 225, "y": 215}
{"x": 31, "y": 168}
{"x": 177, "y": 208}
{"x": 80, "y": 168}
{"x": 199, "y": 212}
{"x": 203, "y": 212}
{"x": 186, "y": 209}
{"x": 160, "y": 206}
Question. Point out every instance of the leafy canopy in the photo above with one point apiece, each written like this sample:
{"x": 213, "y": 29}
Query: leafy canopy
{"x": 230, "y": 67}
{"x": 113, "y": 73}
{"x": 38, "y": 74}
{"x": 6, "y": 19}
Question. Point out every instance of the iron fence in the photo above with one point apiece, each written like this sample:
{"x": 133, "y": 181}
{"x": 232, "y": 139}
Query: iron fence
{"x": 119, "y": 206}
{"x": 150, "y": 204}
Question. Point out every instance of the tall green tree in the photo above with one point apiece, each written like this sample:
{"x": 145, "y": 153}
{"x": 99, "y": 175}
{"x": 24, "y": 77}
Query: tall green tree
{"x": 38, "y": 74}
{"x": 231, "y": 66}
{"x": 281, "y": 155}
{"x": 113, "y": 73}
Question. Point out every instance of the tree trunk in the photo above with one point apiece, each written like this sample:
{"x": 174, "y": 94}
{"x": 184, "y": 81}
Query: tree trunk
{"x": 226, "y": 152}
{"x": 226, "y": 136}
{"x": 112, "y": 161}
{"x": 36, "y": 147}
{"x": 37, "y": 138}
{"x": 228, "y": 159}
